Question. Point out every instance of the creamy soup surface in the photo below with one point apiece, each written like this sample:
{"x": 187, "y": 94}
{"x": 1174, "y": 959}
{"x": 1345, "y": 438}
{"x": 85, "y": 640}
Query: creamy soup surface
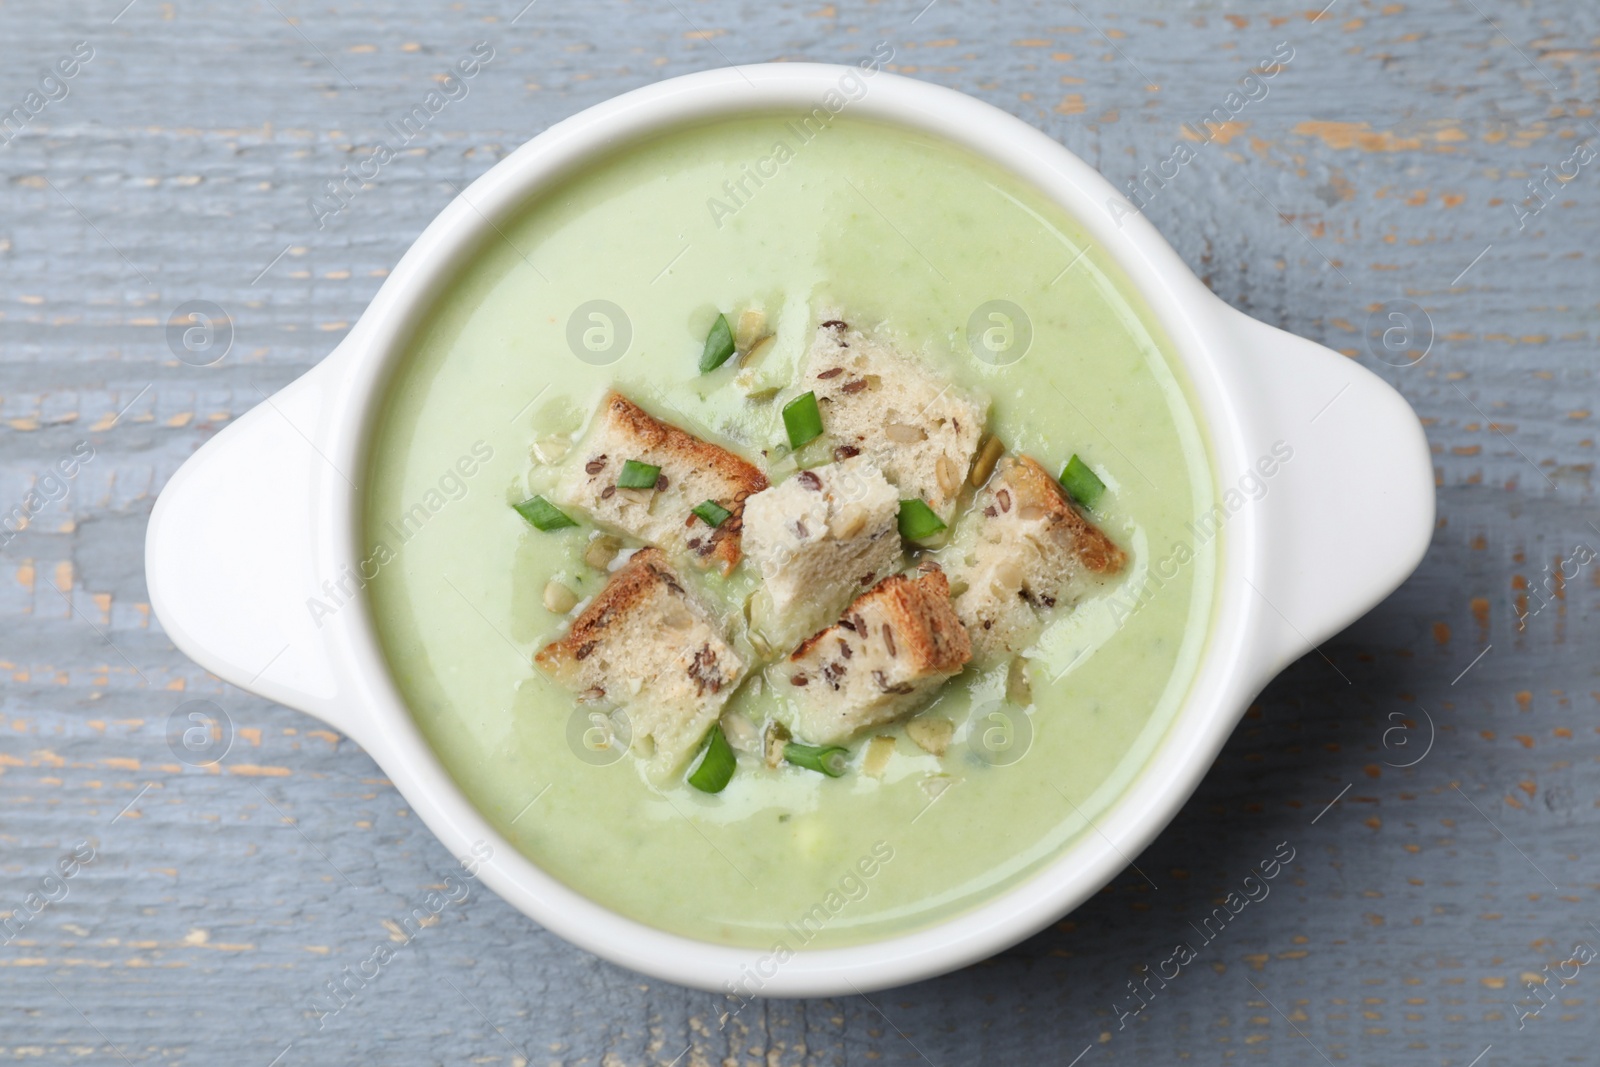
{"x": 612, "y": 281}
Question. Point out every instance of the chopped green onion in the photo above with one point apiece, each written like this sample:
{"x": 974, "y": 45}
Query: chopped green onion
{"x": 716, "y": 766}
{"x": 712, "y": 513}
{"x": 719, "y": 345}
{"x": 802, "y": 419}
{"x": 636, "y": 475}
{"x": 825, "y": 759}
{"x": 917, "y": 520}
{"x": 544, "y": 515}
{"x": 1081, "y": 483}
{"x": 818, "y": 453}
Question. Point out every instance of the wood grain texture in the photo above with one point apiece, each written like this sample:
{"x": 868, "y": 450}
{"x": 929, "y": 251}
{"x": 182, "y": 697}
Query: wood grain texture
{"x": 1387, "y": 155}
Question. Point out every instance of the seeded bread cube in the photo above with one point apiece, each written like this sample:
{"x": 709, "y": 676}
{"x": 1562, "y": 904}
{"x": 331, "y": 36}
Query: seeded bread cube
{"x": 818, "y": 539}
{"x": 894, "y": 646}
{"x": 1022, "y": 551}
{"x": 920, "y": 430}
{"x": 692, "y": 472}
{"x": 650, "y": 646}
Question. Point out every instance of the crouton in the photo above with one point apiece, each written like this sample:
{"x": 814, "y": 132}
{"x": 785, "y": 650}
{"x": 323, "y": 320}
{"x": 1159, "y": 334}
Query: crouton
{"x": 1023, "y": 550}
{"x": 818, "y": 539}
{"x": 888, "y": 653}
{"x": 648, "y": 645}
{"x": 692, "y": 472}
{"x": 919, "y": 430}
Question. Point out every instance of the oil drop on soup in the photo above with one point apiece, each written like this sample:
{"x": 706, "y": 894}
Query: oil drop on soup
{"x": 727, "y": 444}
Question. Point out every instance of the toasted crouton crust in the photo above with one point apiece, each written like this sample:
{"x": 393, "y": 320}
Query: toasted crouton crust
{"x": 661, "y": 437}
{"x": 892, "y": 649}
{"x": 1025, "y": 549}
{"x": 919, "y": 608}
{"x": 629, "y": 588}
{"x": 648, "y": 644}
{"x": 1032, "y": 485}
{"x": 694, "y": 471}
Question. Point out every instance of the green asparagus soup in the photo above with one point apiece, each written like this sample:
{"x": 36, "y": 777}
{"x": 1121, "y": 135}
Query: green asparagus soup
{"x": 625, "y": 278}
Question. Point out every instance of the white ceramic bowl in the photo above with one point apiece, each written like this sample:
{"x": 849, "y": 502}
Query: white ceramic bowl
{"x": 262, "y": 516}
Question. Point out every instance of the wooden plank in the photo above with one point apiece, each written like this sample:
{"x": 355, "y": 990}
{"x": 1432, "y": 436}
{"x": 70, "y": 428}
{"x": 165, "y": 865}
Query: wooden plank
{"x": 1382, "y": 164}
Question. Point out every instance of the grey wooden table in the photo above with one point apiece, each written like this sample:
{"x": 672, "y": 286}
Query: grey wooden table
{"x": 1388, "y": 161}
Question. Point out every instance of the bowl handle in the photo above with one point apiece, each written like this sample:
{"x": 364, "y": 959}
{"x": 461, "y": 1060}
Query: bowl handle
{"x": 235, "y": 554}
{"x": 1348, "y": 508}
